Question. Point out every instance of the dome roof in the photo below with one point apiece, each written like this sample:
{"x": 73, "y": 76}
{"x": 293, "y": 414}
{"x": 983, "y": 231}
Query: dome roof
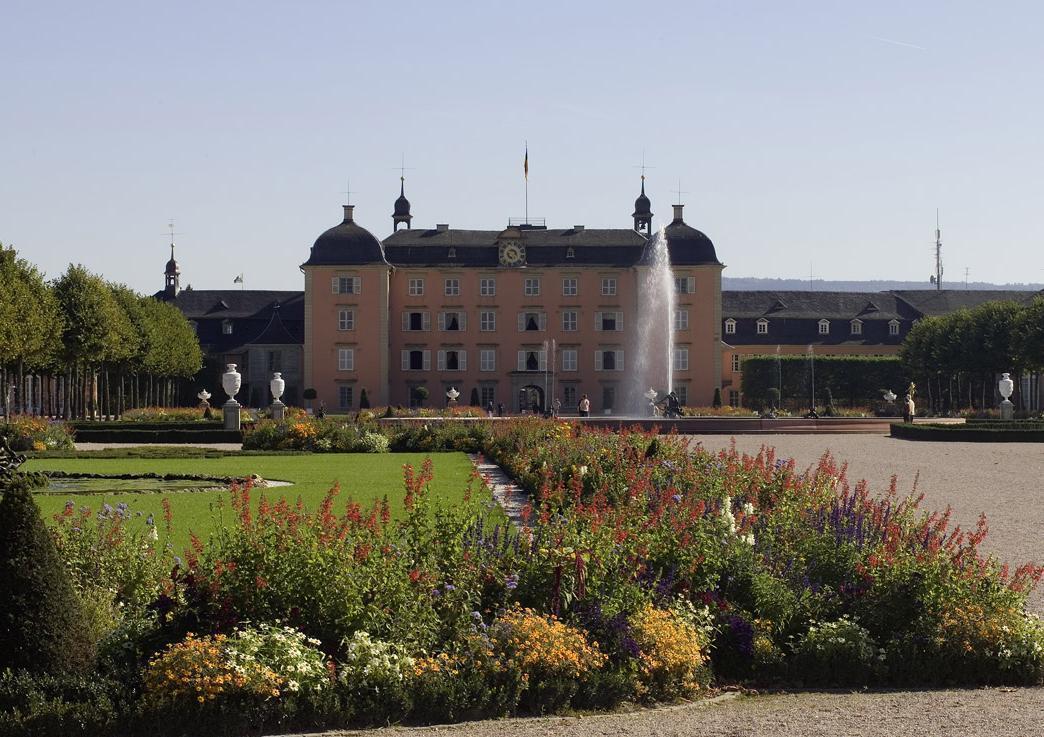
{"x": 346, "y": 244}
{"x": 402, "y": 205}
{"x": 172, "y": 265}
{"x": 642, "y": 205}
{"x": 688, "y": 246}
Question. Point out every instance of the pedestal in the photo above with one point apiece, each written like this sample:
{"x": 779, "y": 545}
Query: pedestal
{"x": 231, "y": 412}
{"x": 1007, "y": 410}
{"x": 278, "y": 410}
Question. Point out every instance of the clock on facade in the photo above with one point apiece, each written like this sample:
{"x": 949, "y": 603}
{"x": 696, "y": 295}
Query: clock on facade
{"x": 512, "y": 253}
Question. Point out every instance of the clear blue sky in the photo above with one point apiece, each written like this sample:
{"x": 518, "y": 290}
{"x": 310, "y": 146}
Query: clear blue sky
{"x": 803, "y": 133}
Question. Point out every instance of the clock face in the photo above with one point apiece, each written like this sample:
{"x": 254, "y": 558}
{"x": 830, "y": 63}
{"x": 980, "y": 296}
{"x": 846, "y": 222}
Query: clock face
{"x": 512, "y": 254}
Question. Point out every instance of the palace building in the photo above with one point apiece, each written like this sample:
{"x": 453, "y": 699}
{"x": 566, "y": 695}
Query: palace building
{"x": 495, "y": 313}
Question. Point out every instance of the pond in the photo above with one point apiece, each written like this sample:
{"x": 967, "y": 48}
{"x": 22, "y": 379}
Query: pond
{"x": 95, "y": 485}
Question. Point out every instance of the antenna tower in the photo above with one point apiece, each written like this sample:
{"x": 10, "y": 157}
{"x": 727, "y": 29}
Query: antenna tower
{"x": 938, "y": 253}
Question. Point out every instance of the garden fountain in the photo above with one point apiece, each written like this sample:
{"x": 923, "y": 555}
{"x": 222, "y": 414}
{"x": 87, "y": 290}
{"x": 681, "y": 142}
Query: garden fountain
{"x": 653, "y": 347}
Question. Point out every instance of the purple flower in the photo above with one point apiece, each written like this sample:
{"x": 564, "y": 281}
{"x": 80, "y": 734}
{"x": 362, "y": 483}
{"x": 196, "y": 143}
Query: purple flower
{"x": 477, "y": 616}
{"x": 150, "y": 521}
{"x": 450, "y": 587}
{"x": 676, "y": 498}
{"x": 511, "y": 582}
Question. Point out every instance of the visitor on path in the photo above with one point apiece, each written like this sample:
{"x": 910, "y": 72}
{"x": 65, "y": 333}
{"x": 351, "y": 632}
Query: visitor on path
{"x": 909, "y": 409}
{"x": 321, "y": 412}
{"x": 556, "y": 407}
{"x": 489, "y": 408}
{"x": 584, "y": 406}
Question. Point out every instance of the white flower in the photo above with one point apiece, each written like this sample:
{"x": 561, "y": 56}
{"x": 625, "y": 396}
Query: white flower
{"x": 583, "y": 470}
{"x": 748, "y": 508}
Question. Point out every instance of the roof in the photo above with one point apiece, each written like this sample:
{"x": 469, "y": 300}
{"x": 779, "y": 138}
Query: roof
{"x": 818, "y": 305}
{"x": 202, "y": 304}
{"x": 944, "y": 301}
{"x": 688, "y": 246}
{"x": 347, "y": 244}
{"x": 276, "y": 331}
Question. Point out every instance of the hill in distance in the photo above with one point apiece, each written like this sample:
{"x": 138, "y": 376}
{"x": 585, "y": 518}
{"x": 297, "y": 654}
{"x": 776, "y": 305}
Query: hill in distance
{"x": 757, "y": 284}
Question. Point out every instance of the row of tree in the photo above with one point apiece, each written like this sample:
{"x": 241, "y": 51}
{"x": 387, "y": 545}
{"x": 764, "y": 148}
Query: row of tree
{"x": 955, "y": 358}
{"x": 80, "y": 347}
{"x": 787, "y": 381}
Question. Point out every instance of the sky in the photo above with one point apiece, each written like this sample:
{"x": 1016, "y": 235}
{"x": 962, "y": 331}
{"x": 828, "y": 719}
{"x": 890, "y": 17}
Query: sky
{"x": 807, "y": 137}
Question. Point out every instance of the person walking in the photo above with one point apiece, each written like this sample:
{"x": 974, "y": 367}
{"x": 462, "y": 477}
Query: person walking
{"x": 909, "y": 409}
{"x": 556, "y": 407}
{"x": 584, "y": 406}
{"x": 489, "y": 408}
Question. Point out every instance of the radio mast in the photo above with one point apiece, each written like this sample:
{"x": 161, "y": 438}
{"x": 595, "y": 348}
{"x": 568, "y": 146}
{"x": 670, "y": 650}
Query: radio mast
{"x": 938, "y": 253}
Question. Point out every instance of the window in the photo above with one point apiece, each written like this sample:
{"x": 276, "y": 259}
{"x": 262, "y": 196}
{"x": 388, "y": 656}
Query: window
{"x": 609, "y": 360}
{"x": 416, "y": 288}
{"x": 608, "y": 321}
{"x": 532, "y": 287}
{"x": 344, "y": 396}
{"x": 452, "y": 360}
{"x": 414, "y": 321}
{"x": 346, "y": 359}
{"x": 416, "y": 360}
{"x": 451, "y": 253}
{"x": 569, "y": 396}
{"x": 569, "y": 359}
{"x": 608, "y": 397}
{"x": 682, "y": 392}
{"x": 347, "y": 285}
{"x": 681, "y": 359}
{"x": 763, "y": 326}
{"x": 824, "y": 327}
{"x": 452, "y": 321}
{"x": 609, "y": 287}
{"x": 529, "y": 321}
{"x": 452, "y": 288}
{"x": 569, "y": 288}
{"x": 857, "y": 327}
{"x": 532, "y": 360}
{"x": 487, "y": 359}
{"x": 487, "y": 321}
{"x": 569, "y": 320}
{"x": 487, "y": 287}
{"x": 570, "y": 252}
{"x": 681, "y": 319}
{"x": 226, "y": 327}
{"x": 345, "y": 319}
{"x": 275, "y": 360}
{"x": 736, "y": 363}
{"x": 733, "y": 398}
{"x": 685, "y": 284}
{"x": 730, "y": 327}
{"x": 893, "y": 327}
{"x": 488, "y": 395}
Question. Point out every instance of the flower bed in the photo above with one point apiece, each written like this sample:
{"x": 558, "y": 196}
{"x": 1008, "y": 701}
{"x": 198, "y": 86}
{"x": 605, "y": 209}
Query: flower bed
{"x": 643, "y": 572}
{"x": 36, "y": 433}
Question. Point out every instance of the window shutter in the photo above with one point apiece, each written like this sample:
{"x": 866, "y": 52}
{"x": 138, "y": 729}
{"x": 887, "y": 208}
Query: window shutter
{"x": 462, "y": 319}
{"x": 427, "y": 360}
{"x": 690, "y": 284}
{"x": 441, "y": 362}
{"x": 598, "y": 360}
{"x": 543, "y": 321}
{"x": 427, "y": 321}
{"x": 521, "y": 360}
{"x": 462, "y": 360}
{"x": 442, "y": 321}
{"x": 542, "y": 360}
{"x": 598, "y": 326}
{"x": 405, "y": 360}
{"x": 619, "y": 321}
{"x": 333, "y": 284}
{"x": 405, "y": 322}
{"x": 521, "y": 322}
{"x": 619, "y": 361}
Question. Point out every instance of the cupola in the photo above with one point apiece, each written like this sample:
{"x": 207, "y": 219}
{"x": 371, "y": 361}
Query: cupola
{"x": 401, "y": 214}
{"x": 171, "y": 276}
{"x": 643, "y": 212}
{"x": 347, "y": 244}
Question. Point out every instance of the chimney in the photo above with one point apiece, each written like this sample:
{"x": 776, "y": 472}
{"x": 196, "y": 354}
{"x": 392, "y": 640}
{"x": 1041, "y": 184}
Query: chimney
{"x": 442, "y": 226}
{"x": 678, "y": 213}
{"x": 578, "y": 228}
{"x": 348, "y": 209}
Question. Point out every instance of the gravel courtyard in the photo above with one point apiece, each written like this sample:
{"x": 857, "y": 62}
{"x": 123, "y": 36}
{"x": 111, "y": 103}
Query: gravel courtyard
{"x": 1004, "y": 480}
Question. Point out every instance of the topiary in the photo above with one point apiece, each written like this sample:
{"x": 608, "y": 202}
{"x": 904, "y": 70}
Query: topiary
{"x": 364, "y": 401}
{"x": 717, "y": 398}
{"x": 41, "y": 619}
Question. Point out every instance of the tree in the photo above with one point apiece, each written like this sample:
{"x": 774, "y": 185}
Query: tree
{"x": 717, "y": 398}
{"x": 364, "y": 401}
{"x": 474, "y": 396}
{"x": 1029, "y": 336}
{"x": 420, "y": 393}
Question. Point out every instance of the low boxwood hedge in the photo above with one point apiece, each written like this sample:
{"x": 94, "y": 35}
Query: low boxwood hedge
{"x": 164, "y": 435}
{"x": 999, "y": 433}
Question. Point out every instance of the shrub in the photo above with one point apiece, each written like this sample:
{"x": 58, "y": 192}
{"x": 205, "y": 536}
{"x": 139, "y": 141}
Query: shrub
{"x": 672, "y": 654}
{"x": 374, "y": 676}
{"x": 41, "y": 617}
{"x": 716, "y": 403}
{"x": 34, "y": 704}
{"x": 839, "y": 652}
{"x": 23, "y": 432}
{"x": 364, "y": 401}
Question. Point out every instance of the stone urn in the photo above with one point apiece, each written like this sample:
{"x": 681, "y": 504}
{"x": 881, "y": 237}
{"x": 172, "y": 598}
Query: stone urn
{"x": 231, "y": 380}
{"x": 277, "y": 385}
{"x": 1006, "y": 386}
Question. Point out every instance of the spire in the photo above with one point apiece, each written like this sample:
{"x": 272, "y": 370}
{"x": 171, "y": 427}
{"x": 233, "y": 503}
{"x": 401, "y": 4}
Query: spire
{"x": 171, "y": 275}
{"x": 401, "y": 213}
{"x": 643, "y": 212}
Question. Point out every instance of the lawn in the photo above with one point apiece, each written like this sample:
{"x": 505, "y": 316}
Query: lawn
{"x": 362, "y": 477}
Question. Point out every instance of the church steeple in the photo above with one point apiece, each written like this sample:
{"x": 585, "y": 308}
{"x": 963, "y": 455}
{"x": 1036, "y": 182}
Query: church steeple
{"x": 172, "y": 276}
{"x": 402, "y": 207}
{"x": 643, "y": 212}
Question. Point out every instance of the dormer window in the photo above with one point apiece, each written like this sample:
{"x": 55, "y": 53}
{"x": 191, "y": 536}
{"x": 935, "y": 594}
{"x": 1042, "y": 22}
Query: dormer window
{"x": 570, "y": 252}
{"x": 824, "y": 327}
{"x": 893, "y": 327}
{"x": 857, "y": 327}
{"x": 762, "y": 326}
{"x": 452, "y": 253}
{"x": 730, "y": 327}
{"x": 226, "y": 327}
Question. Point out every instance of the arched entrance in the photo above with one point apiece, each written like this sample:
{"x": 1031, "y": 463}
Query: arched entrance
{"x": 531, "y": 399}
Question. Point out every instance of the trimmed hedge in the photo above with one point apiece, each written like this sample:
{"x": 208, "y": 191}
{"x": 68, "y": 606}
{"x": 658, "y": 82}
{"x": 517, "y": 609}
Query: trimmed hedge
{"x": 165, "y": 435}
{"x": 968, "y": 433}
{"x": 853, "y": 380}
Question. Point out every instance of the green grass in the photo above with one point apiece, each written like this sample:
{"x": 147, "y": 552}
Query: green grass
{"x": 362, "y": 477}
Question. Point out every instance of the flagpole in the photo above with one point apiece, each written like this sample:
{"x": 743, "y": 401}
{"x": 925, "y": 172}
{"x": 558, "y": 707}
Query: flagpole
{"x": 526, "y": 173}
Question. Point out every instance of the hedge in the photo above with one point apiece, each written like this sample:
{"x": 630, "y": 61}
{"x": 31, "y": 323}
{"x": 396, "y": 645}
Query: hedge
{"x": 165, "y": 435}
{"x": 853, "y": 380}
{"x": 967, "y": 433}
